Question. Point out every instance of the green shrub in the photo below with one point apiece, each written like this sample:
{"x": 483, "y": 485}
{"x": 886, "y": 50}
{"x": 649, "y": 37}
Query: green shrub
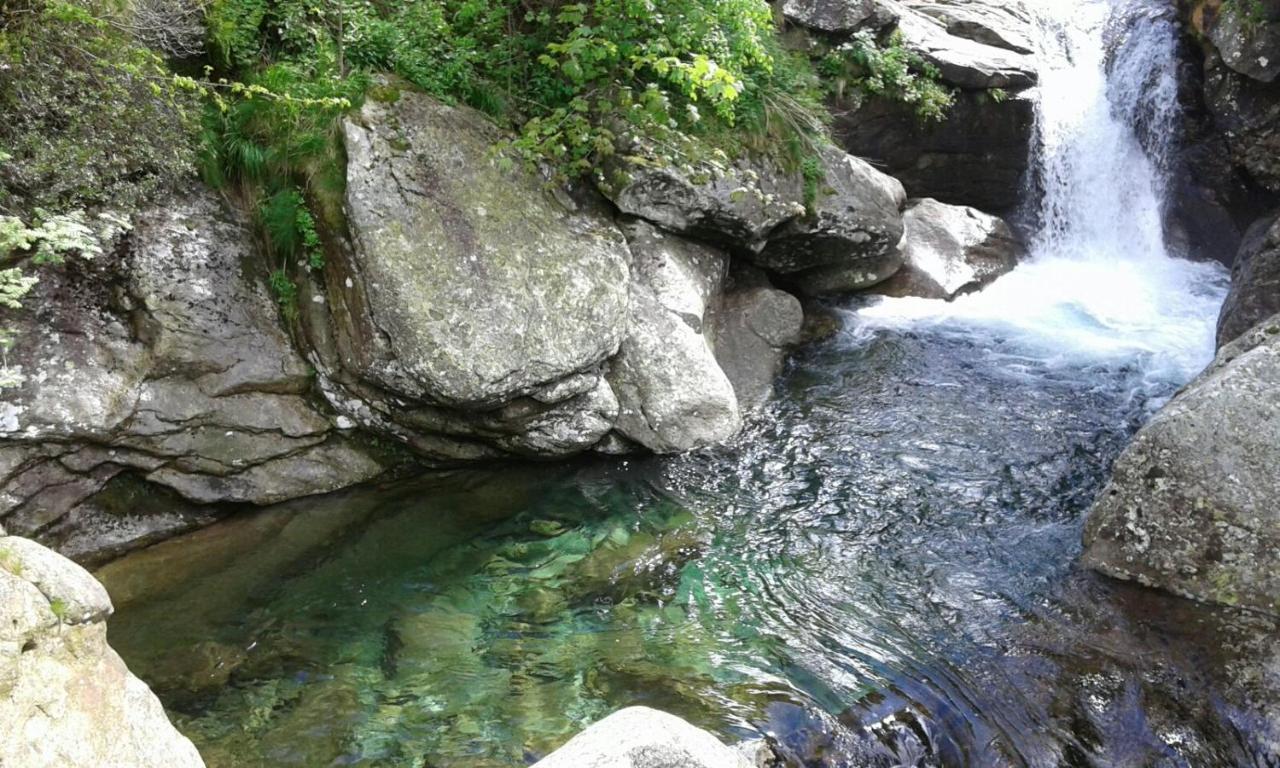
{"x": 865, "y": 66}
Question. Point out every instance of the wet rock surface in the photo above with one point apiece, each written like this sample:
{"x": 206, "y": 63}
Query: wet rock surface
{"x": 1255, "y": 281}
{"x": 949, "y": 250}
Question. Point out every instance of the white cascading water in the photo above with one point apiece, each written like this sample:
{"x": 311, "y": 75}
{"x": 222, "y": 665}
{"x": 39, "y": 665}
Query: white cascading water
{"x": 1099, "y": 286}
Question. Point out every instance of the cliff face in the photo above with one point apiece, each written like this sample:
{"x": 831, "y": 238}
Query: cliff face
{"x": 66, "y": 698}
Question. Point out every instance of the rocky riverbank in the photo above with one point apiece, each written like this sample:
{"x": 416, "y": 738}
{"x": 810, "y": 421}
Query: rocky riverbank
{"x": 466, "y": 313}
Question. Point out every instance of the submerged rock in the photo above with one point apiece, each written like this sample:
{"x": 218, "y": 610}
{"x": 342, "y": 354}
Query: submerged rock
{"x": 68, "y": 701}
{"x": 639, "y": 737}
{"x": 1255, "y": 281}
{"x": 1191, "y": 506}
{"x": 949, "y": 250}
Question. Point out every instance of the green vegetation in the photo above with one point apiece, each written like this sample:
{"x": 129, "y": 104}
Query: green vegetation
{"x": 865, "y": 66}
{"x": 109, "y": 102}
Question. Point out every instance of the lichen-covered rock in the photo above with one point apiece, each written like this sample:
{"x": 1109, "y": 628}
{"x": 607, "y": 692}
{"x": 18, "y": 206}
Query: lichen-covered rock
{"x": 1191, "y": 506}
{"x": 165, "y": 359}
{"x": 855, "y": 219}
{"x": 673, "y": 395}
{"x": 755, "y": 326}
{"x": 949, "y": 250}
{"x": 1255, "y": 281}
{"x": 639, "y": 737}
{"x": 66, "y": 698}
{"x": 472, "y": 313}
{"x": 735, "y": 207}
{"x": 483, "y": 286}
{"x": 1247, "y": 36}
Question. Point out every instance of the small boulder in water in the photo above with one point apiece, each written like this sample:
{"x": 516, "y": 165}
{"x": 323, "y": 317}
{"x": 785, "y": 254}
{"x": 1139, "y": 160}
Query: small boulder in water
{"x": 1191, "y": 507}
{"x": 950, "y": 250}
{"x": 639, "y": 737}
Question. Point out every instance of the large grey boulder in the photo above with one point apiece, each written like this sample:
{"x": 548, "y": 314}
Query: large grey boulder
{"x": 673, "y": 394}
{"x": 1191, "y": 506}
{"x": 163, "y": 360}
{"x": 472, "y": 314}
{"x": 840, "y": 16}
{"x": 759, "y": 210}
{"x": 66, "y": 698}
{"x": 639, "y": 737}
{"x": 1004, "y": 25}
{"x": 854, "y": 219}
{"x": 962, "y": 59}
{"x": 949, "y": 250}
{"x": 1255, "y": 281}
{"x": 483, "y": 286}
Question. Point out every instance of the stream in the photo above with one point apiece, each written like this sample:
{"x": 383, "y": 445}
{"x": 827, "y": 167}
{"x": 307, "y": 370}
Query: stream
{"x": 880, "y": 572}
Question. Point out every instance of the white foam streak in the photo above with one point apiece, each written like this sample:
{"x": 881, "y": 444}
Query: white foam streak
{"x": 1100, "y": 285}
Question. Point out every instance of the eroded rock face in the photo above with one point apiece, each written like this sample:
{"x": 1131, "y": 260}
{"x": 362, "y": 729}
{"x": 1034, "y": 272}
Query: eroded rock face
{"x": 949, "y": 250}
{"x": 639, "y": 737}
{"x": 673, "y": 394}
{"x": 66, "y": 698}
{"x": 1191, "y": 506}
{"x": 164, "y": 361}
{"x": 1255, "y": 281}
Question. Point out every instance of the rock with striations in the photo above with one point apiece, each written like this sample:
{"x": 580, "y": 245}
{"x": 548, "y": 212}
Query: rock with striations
{"x": 949, "y": 250}
{"x": 68, "y": 700}
{"x": 673, "y": 394}
{"x": 162, "y": 361}
{"x": 639, "y": 737}
{"x": 931, "y": 32}
{"x": 1255, "y": 281}
{"x": 1191, "y": 506}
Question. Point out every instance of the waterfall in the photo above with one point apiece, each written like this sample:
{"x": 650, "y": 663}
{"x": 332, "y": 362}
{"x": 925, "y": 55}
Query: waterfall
{"x": 1099, "y": 286}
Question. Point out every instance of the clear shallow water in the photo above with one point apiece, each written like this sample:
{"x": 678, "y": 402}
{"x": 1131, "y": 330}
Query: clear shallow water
{"x": 881, "y": 572}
